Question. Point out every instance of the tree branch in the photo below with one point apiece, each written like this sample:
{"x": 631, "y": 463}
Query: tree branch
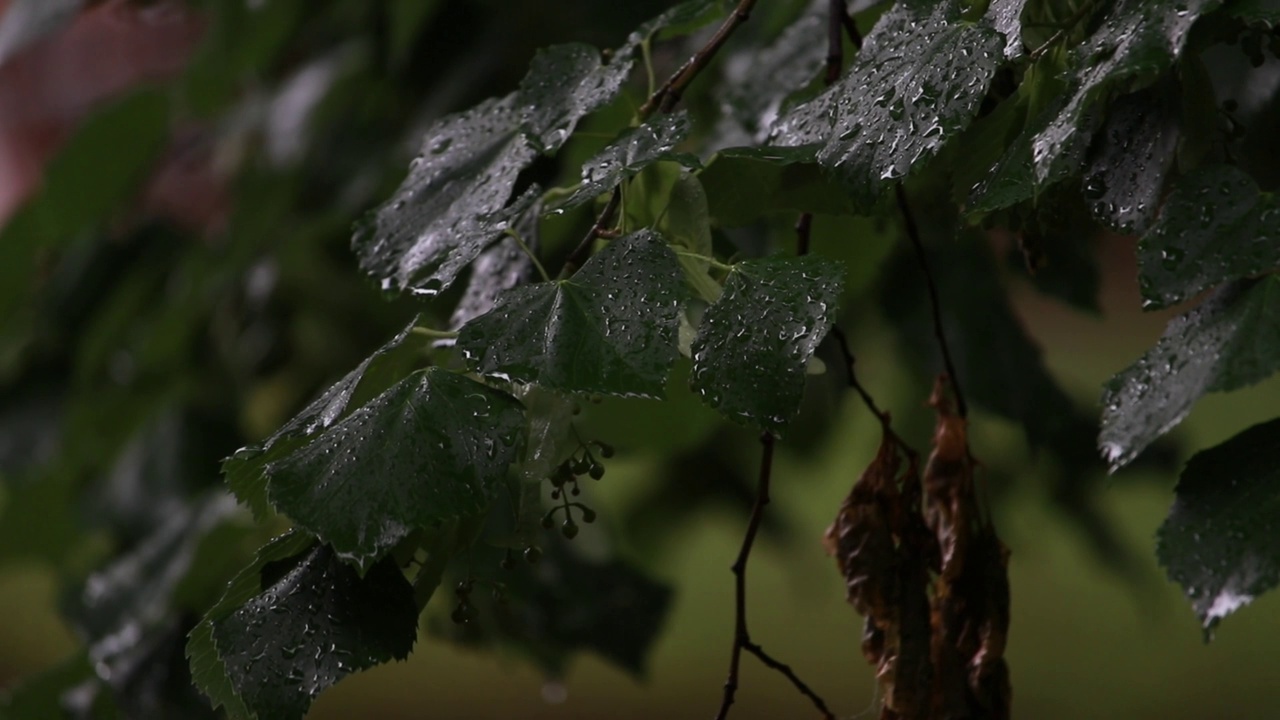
{"x": 673, "y": 89}
{"x": 913, "y": 233}
{"x": 741, "y": 636}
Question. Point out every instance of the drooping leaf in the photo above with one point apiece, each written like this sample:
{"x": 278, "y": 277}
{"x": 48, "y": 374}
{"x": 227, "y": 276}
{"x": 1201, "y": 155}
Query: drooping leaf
{"x": 208, "y": 671}
{"x": 1220, "y": 541}
{"x": 244, "y": 470}
{"x": 1131, "y": 158}
{"x": 432, "y": 447}
{"x": 1230, "y": 341}
{"x": 916, "y": 83}
{"x": 751, "y": 351}
{"x": 453, "y": 204}
{"x": 448, "y": 209}
{"x": 1135, "y": 41}
{"x": 1058, "y": 249}
{"x": 315, "y": 622}
{"x": 628, "y": 155}
{"x": 1215, "y": 226}
{"x": 565, "y": 83}
{"x": 746, "y": 184}
{"x": 609, "y": 329}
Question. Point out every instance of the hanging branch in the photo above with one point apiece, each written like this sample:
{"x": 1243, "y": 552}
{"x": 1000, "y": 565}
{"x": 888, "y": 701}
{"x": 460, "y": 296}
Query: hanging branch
{"x": 913, "y": 233}
{"x": 664, "y": 99}
{"x": 741, "y": 635}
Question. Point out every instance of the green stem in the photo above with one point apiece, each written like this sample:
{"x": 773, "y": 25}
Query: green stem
{"x": 520, "y": 241}
{"x": 709, "y": 260}
{"x": 432, "y": 333}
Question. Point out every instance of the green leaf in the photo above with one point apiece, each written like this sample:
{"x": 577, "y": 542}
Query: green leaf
{"x": 916, "y": 84}
{"x": 628, "y": 155}
{"x": 433, "y": 447}
{"x": 609, "y": 329}
{"x": 1230, "y": 341}
{"x": 244, "y": 470}
{"x": 1135, "y": 42}
{"x": 754, "y": 344}
{"x": 448, "y": 209}
{"x": 26, "y": 21}
{"x": 1061, "y": 239}
{"x": 208, "y": 671}
{"x": 746, "y": 184}
{"x": 1215, "y": 226}
{"x": 315, "y": 622}
{"x": 498, "y": 269}
{"x": 681, "y": 19}
{"x": 565, "y": 83}
{"x": 687, "y": 224}
{"x": 1255, "y": 12}
{"x": 1220, "y": 542}
{"x": 1131, "y": 159}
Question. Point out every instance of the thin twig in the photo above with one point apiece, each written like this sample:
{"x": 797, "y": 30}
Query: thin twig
{"x": 913, "y": 233}
{"x": 1081, "y": 12}
{"x": 851, "y": 29}
{"x": 601, "y": 225}
{"x": 671, "y": 91}
{"x": 741, "y": 636}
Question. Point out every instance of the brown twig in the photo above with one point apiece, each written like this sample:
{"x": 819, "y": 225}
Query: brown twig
{"x": 851, "y": 29}
{"x": 741, "y": 636}
{"x": 913, "y": 233}
{"x": 666, "y": 97}
{"x": 836, "y": 9}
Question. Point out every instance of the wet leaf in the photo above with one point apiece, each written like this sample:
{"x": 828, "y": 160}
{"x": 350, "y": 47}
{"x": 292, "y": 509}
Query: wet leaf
{"x": 385, "y": 366}
{"x": 1006, "y": 17}
{"x": 447, "y": 210}
{"x": 751, "y": 351}
{"x": 1131, "y": 158}
{"x": 1254, "y": 12}
{"x": 1220, "y": 541}
{"x": 208, "y": 671}
{"x": 609, "y": 329}
{"x": 746, "y": 184}
{"x": 500, "y": 268}
{"x": 1215, "y": 226}
{"x": 1230, "y": 341}
{"x": 917, "y": 83}
{"x": 628, "y": 155}
{"x": 564, "y": 84}
{"x": 315, "y": 622}
{"x": 434, "y": 446}
{"x": 1135, "y": 42}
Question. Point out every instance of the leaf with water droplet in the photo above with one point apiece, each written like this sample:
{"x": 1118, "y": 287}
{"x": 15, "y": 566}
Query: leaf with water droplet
{"x": 1006, "y": 17}
{"x": 1133, "y": 43}
{"x": 315, "y": 621}
{"x": 1215, "y": 226}
{"x": 374, "y": 374}
{"x": 434, "y": 446}
{"x": 916, "y": 84}
{"x": 752, "y": 348}
{"x": 1220, "y": 541}
{"x": 1230, "y": 341}
{"x": 564, "y": 84}
{"x": 1131, "y": 158}
{"x": 500, "y": 268}
{"x": 609, "y": 329}
{"x": 635, "y": 150}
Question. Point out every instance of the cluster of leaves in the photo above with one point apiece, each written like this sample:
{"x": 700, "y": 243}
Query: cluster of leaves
{"x": 1048, "y": 121}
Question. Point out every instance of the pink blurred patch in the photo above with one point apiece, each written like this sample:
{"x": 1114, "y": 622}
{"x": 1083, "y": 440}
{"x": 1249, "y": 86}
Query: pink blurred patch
{"x": 48, "y": 88}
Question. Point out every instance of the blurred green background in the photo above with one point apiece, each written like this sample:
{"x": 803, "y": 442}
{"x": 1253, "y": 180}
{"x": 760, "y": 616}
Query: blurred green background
{"x": 1091, "y": 636}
